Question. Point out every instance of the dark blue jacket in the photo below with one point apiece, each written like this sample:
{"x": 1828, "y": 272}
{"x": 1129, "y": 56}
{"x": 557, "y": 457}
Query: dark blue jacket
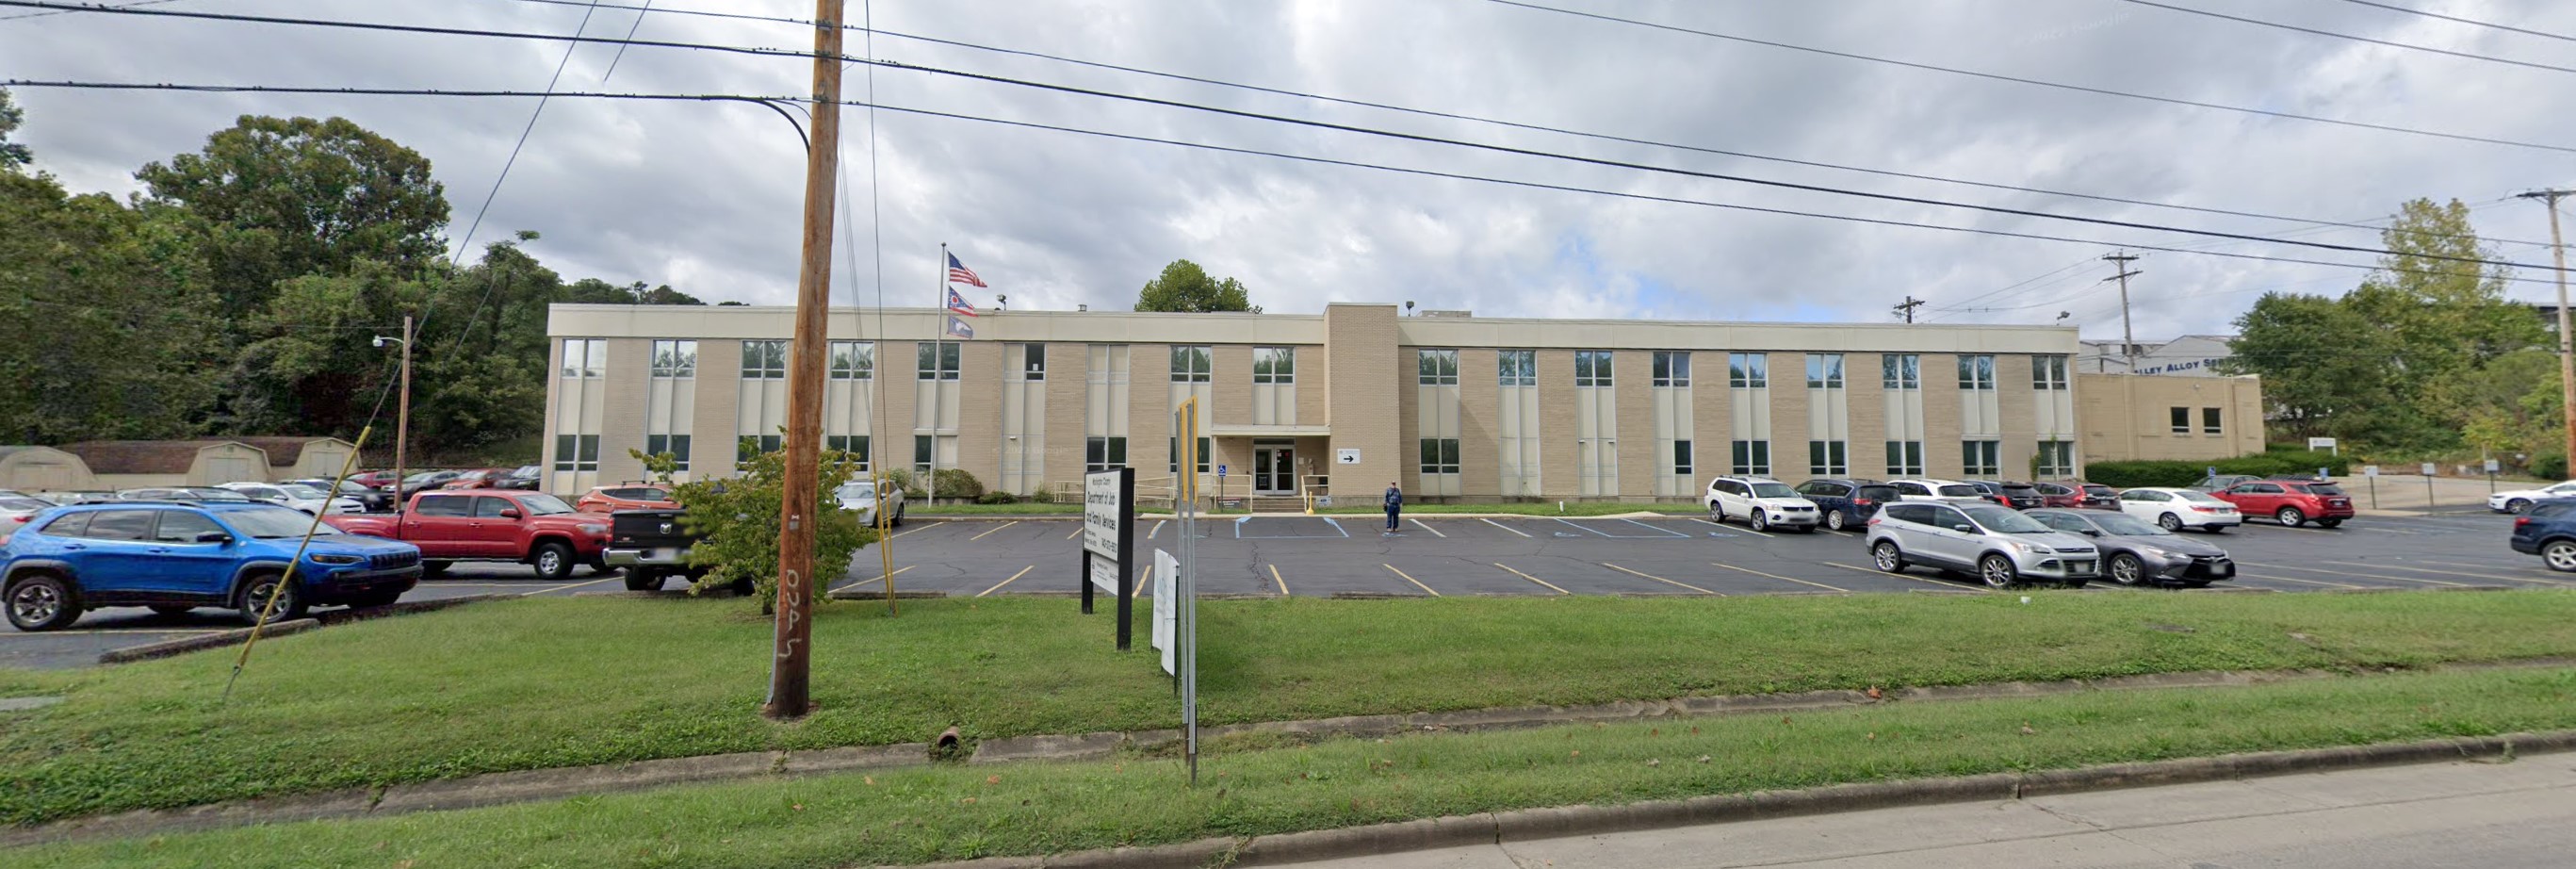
{"x": 1394, "y": 497}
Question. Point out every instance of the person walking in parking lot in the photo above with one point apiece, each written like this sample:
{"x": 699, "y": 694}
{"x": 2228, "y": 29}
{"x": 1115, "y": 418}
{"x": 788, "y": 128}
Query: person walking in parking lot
{"x": 1394, "y": 506}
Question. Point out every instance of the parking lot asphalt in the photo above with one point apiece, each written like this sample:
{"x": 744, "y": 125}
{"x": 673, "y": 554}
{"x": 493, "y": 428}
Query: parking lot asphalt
{"x": 1435, "y": 555}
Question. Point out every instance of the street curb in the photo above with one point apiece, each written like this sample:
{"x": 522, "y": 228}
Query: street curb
{"x": 201, "y": 642}
{"x": 1499, "y": 828}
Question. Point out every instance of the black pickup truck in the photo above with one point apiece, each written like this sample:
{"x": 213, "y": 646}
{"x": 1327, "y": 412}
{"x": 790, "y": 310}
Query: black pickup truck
{"x": 652, "y": 545}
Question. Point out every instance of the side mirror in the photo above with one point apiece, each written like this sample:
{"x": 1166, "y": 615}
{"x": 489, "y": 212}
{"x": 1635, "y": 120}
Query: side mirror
{"x": 213, "y": 537}
{"x": 2090, "y": 532}
{"x": 509, "y": 512}
{"x": 1968, "y": 528}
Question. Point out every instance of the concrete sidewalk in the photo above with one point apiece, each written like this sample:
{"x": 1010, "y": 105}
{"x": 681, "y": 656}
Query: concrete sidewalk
{"x": 2512, "y": 815}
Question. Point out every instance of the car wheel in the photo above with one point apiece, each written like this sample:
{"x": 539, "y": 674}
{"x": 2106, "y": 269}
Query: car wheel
{"x": 898, "y": 517}
{"x": 2516, "y": 506}
{"x": 643, "y": 579}
{"x": 2291, "y": 517}
{"x": 43, "y": 602}
{"x": 554, "y": 562}
{"x": 2560, "y": 555}
{"x": 1716, "y": 513}
{"x": 1834, "y": 520}
{"x": 255, "y": 595}
{"x": 1997, "y": 571}
{"x": 1753, "y": 519}
{"x": 2170, "y": 522}
{"x": 1888, "y": 557}
{"x": 742, "y": 587}
{"x": 2127, "y": 570}
{"x": 170, "y": 609}
{"x": 2329, "y": 523}
{"x": 429, "y": 569}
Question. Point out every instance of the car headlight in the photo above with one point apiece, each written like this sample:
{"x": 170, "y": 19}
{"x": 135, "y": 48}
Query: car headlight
{"x": 594, "y": 529}
{"x": 326, "y": 558}
{"x": 2157, "y": 554}
{"x": 2018, "y": 546}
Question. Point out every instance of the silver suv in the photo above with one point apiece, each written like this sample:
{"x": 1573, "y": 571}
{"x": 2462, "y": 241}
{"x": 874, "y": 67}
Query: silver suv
{"x": 1998, "y": 544}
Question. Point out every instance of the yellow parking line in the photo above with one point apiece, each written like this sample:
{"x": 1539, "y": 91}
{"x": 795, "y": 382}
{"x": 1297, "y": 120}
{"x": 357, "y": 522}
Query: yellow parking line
{"x": 2358, "y": 573}
{"x": 882, "y": 578}
{"x": 1551, "y": 586}
{"x": 1778, "y": 577}
{"x": 1416, "y": 582}
{"x": 1274, "y": 577}
{"x": 1877, "y": 572}
{"x": 1660, "y": 579}
{"x": 1506, "y": 527}
{"x": 2466, "y": 564}
{"x": 993, "y": 529}
{"x": 902, "y": 533}
{"x": 2531, "y": 579}
{"x": 1077, "y": 531}
{"x": 998, "y": 586}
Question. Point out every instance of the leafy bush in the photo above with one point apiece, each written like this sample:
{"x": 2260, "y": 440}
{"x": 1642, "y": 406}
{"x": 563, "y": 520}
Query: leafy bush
{"x": 997, "y": 498}
{"x": 2125, "y": 475}
{"x": 2549, "y": 467}
{"x": 736, "y": 519}
{"x": 955, "y": 483}
{"x": 902, "y": 479}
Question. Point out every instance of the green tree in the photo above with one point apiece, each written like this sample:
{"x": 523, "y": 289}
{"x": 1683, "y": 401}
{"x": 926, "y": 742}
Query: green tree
{"x": 2449, "y": 317}
{"x": 13, "y": 156}
{"x": 100, "y": 330}
{"x": 1184, "y": 287}
{"x": 736, "y": 519}
{"x": 2320, "y": 363}
{"x": 593, "y": 291}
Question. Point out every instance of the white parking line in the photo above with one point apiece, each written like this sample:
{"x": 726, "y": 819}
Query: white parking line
{"x": 1730, "y": 528}
{"x": 1506, "y": 527}
{"x": 570, "y": 587}
{"x": 2530, "y": 579}
{"x": 881, "y": 578}
{"x": 1158, "y": 529}
{"x": 1435, "y": 532}
{"x": 1779, "y": 577}
{"x": 2272, "y": 567}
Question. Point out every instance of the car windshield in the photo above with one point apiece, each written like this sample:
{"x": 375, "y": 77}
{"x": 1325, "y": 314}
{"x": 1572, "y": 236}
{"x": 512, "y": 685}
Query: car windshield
{"x": 2005, "y": 520}
{"x": 2198, "y": 497}
{"x": 525, "y": 471}
{"x": 1773, "y": 490}
{"x": 858, "y": 490}
{"x": 543, "y": 505}
{"x": 2126, "y": 525}
{"x": 302, "y": 493}
{"x": 270, "y": 522}
{"x": 2323, "y": 489}
{"x": 17, "y": 503}
{"x": 1960, "y": 491}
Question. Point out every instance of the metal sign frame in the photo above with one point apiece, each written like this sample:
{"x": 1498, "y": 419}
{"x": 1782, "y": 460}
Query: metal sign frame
{"x": 1185, "y": 585}
{"x": 1109, "y": 522}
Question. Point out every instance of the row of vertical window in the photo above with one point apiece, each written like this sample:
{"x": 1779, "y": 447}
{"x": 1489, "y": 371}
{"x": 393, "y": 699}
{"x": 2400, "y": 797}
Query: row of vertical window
{"x": 1978, "y": 458}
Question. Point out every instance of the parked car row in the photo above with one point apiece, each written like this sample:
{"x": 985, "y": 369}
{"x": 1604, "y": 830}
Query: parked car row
{"x": 179, "y": 554}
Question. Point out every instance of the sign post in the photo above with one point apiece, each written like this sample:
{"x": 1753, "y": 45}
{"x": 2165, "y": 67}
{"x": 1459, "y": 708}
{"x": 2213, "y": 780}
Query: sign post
{"x": 2429, "y": 470}
{"x": 1185, "y": 595}
{"x": 2328, "y": 444}
{"x": 2492, "y": 467}
{"x": 2371, "y": 473}
{"x": 1108, "y": 542}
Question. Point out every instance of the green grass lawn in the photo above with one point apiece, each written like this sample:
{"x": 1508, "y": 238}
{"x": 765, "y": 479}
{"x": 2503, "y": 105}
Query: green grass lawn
{"x": 560, "y": 682}
{"x": 953, "y": 812}
{"x": 1571, "y": 508}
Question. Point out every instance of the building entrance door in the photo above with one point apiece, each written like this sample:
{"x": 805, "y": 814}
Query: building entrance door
{"x": 1274, "y": 470}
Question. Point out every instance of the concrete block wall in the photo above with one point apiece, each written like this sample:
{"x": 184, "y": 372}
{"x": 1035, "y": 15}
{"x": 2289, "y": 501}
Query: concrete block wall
{"x": 627, "y": 379}
{"x": 1789, "y": 417}
{"x": 1866, "y": 400}
{"x": 1361, "y": 397}
{"x": 1632, "y": 374}
{"x": 2019, "y": 408}
{"x": 1066, "y": 390}
{"x": 1941, "y": 457}
{"x": 1559, "y": 476}
{"x": 1480, "y": 431}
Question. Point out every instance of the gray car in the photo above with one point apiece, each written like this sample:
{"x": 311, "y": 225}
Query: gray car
{"x": 2138, "y": 552}
{"x": 1999, "y": 545}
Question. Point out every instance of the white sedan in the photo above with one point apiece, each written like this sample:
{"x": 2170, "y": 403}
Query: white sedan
{"x": 301, "y": 497}
{"x": 2519, "y": 500}
{"x": 861, "y": 497}
{"x": 2177, "y": 509}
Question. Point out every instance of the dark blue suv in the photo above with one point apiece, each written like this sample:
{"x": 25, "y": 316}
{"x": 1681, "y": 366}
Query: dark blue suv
{"x": 177, "y": 557}
{"x": 2548, "y": 530}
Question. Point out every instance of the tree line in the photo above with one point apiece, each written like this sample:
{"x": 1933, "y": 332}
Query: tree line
{"x": 242, "y": 290}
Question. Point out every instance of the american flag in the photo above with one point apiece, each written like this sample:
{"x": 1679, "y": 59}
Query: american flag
{"x": 958, "y": 273}
{"x": 957, "y": 304}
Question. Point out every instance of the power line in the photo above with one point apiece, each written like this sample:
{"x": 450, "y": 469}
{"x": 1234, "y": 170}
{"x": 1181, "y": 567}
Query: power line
{"x": 1328, "y": 161}
{"x": 2313, "y": 31}
{"x": 1304, "y": 122}
{"x": 2472, "y": 21}
{"x": 83, "y": 9}
{"x": 1457, "y": 116}
{"x": 2387, "y": 128}
{"x": 630, "y": 37}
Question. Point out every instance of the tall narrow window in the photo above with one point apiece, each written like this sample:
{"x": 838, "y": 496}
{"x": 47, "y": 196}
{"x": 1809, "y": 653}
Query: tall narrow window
{"x": 1517, "y": 367}
{"x": 764, "y": 360}
{"x": 1824, "y": 371}
{"x": 1274, "y": 365}
{"x": 1592, "y": 368}
{"x": 1752, "y": 457}
{"x": 1033, "y": 362}
{"x": 1980, "y": 458}
{"x": 577, "y": 452}
{"x": 1682, "y": 459}
{"x": 923, "y": 454}
{"x": 1977, "y": 372}
{"x": 936, "y": 361}
{"x": 1104, "y": 453}
{"x": 1827, "y": 459}
{"x": 1175, "y": 463}
{"x": 668, "y": 400}
{"x": 1439, "y": 455}
{"x": 1192, "y": 363}
{"x": 2056, "y": 458}
{"x": 2048, "y": 373}
{"x": 1901, "y": 371}
{"x": 853, "y": 360}
{"x": 1905, "y": 458}
{"x": 855, "y": 445}
{"x": 675, "y": 358}
{"x": 1748, "y": 370}
{"x": 1672, "y": 367}
{"x": 585, "y": 357}
{"x": 1436, "y": 367}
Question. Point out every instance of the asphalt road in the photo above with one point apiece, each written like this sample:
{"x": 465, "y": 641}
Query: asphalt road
{"x": 2519, "y": 815}
{"x": 1434, "y": 555}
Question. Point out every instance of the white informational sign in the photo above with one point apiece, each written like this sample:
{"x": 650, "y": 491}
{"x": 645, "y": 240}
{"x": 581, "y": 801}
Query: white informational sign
{"x": 2431, "y": 469}
{"x": 2321, "y": 443}
{"x": 1100, "y": 513}
{"x": 1347, "y": 456}
{"x": 1167, "y": 609}
{"x": 2370, "y": 470}
{"x": 1104, "y": 573}
{"x": 2492, "y": 466}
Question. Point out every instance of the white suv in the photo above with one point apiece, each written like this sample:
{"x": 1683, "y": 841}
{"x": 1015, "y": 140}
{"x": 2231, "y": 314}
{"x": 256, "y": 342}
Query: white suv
{"x": 1938, "y": 491}
{"x": 1999, "y": 545}
{"x": 1763, "y": 503}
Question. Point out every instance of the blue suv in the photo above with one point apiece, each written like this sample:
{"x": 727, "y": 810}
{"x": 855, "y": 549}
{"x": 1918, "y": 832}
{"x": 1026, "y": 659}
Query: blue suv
{"x": 2548, "y": 529}
{"x": 177, "y": 557}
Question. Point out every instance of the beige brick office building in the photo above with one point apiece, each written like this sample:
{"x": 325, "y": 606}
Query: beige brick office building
{"x": 1471, "y": 408}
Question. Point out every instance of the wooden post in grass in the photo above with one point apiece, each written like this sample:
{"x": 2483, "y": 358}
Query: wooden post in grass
{"x": 791, "y": 648}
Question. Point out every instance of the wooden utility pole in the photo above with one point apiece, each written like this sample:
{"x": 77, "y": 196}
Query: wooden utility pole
{"x": 402, "y": 415}
{"x": 1906, "y": 308}
{"x": 792, "y": 653}
{"x": 2566, "y": 349}
{"x": 2128, "y": 338}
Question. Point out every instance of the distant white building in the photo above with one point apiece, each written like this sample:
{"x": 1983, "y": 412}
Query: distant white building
{"x": 2187, "y": 356}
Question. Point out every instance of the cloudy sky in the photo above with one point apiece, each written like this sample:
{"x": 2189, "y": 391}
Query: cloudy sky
{"x": 706, "y": 197}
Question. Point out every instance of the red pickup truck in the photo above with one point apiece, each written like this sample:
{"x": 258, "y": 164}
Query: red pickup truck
{"x": 490, "y": 525}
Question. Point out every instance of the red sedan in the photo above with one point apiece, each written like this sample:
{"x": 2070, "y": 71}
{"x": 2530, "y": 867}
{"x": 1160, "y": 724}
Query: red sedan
{"x": 2290, "y": 502}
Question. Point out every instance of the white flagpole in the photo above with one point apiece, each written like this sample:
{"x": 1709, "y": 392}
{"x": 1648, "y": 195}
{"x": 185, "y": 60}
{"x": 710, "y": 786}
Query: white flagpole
{"x": 938, "y": 393}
